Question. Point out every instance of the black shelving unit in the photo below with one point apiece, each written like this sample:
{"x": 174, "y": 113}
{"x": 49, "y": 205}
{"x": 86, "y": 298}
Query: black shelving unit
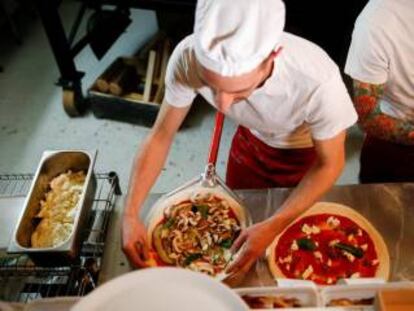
{"x": 22, "y": 281}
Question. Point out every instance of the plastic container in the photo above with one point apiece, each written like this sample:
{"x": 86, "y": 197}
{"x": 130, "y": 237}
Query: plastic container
{"x": 307, "y": 297}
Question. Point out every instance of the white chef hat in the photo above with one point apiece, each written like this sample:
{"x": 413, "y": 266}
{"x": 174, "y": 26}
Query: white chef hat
{"x": 233, "y": 37}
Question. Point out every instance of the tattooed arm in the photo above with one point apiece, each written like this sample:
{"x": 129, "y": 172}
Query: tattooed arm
{"x": 373, "y": 122}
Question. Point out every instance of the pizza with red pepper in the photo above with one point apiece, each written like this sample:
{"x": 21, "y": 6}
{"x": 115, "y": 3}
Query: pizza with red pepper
{"x": 329, "y": 242}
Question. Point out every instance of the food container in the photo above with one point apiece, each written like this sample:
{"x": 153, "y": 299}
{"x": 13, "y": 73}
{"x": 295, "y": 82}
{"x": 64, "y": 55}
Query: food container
{"x": 311, "y": 297}
{"x": 307, "y": 297}
{"x": 52, "y": 164}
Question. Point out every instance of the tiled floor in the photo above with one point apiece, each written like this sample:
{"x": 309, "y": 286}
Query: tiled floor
{"x": 32, "y": 118}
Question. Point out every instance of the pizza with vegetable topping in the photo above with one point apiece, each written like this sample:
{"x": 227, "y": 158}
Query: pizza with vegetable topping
{"x": 329, "y": 242}
{"x": 196, "y": 233}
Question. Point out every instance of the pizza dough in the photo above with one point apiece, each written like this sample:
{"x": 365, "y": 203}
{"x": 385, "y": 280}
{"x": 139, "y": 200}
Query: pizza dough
{"x": 383, "y": 268}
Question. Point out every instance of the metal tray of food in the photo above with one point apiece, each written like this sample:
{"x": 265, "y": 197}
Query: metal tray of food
{"x": 54, "y": 164}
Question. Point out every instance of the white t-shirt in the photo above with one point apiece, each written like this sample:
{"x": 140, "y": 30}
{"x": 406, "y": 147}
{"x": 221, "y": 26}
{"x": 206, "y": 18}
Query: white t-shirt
{"x": 304, "y": 97}
{"x": 382, "y": 51}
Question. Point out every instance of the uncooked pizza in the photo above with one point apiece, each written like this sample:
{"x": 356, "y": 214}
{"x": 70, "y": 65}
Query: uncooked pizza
{"x": 329, "y": 243}
{"x": 196, "y": 234}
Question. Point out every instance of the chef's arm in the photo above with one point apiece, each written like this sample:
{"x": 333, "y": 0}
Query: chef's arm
{"x": 375, "y": 123}
{"x": 151, "y": 157}
{"x": 322, "y": 175}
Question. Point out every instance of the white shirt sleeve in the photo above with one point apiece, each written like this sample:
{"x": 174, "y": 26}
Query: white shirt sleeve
{"x": 330, "y": 109}
{"x": 367, "y": 59}
{"x": 178, "y": 92}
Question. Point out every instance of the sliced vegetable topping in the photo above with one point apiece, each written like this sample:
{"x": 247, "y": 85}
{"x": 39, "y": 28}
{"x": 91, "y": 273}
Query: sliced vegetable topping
{"x": 169, "y": 223}
{"x": 191, "y": 258}
{"x": 226, "y": 243}
{"x": 306, "y": 244}
{"x": 203, "y": 209}
{"x": 355, "y": 251}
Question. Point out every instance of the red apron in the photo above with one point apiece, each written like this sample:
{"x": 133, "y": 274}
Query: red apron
{"x": 384, "y": 161}
{"x": 253, "y": 165}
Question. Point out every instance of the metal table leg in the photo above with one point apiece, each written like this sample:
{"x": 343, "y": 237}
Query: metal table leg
{"x": 74, "y": 102}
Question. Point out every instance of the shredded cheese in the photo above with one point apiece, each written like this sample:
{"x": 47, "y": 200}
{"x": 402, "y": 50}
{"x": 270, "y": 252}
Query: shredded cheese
{"x": 287, "y": 259}
{"x": 333, "y": 222}
{"x": 310, "y": 230}
{"x": 318, "y": 255}
{"x": 308, "y": 272}
{"x": 333, "y": 243}
{"x": 349, "y": 256}
{"x": 294, "y": 246}
{"x": 356, "y": 275}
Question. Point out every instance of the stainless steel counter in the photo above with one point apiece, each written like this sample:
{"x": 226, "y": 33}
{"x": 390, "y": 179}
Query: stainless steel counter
{"x": 389, "y": 207}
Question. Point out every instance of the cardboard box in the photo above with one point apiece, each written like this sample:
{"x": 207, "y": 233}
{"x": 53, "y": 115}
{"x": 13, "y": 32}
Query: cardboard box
{"x": 395, "y": 300}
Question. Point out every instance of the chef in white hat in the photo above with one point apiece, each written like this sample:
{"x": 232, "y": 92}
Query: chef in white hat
{"x": 286, "y": 94}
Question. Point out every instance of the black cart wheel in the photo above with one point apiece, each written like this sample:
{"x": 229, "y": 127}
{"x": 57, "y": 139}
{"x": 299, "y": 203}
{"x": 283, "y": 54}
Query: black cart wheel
{"x": 69, "y": 103}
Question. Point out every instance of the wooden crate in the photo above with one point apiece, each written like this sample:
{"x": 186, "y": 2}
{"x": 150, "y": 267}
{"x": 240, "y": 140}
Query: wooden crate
{"x": 132, "y": 88}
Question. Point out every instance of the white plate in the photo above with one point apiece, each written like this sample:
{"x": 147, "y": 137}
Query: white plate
{"x": 159, "y": 289}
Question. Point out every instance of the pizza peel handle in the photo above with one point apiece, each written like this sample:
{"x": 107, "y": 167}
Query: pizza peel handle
{"x": 215, "y": 139}
{"x": 208, "y": 178}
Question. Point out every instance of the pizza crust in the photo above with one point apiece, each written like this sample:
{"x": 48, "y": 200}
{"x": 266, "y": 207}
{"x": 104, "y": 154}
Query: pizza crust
{"x": 383, "y": 270}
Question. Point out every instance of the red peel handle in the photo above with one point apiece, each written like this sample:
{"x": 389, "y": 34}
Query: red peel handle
{"x": 215, "y": 139}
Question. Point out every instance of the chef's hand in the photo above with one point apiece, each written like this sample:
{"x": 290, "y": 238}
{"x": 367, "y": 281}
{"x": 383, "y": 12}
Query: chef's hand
{"x": 251, "y": 244}
{"x": 134, "y": 241}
